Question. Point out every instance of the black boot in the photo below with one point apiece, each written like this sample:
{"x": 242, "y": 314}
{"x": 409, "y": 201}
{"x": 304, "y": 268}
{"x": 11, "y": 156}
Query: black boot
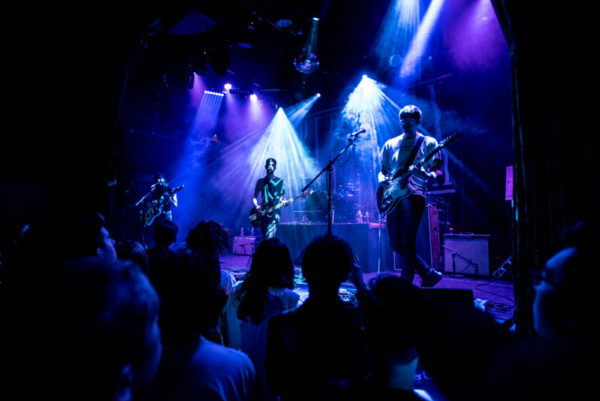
{"x": 431, "y": 278}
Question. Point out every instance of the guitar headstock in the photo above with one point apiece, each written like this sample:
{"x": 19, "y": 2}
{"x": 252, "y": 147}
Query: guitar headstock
{"x": 448, "y": 140}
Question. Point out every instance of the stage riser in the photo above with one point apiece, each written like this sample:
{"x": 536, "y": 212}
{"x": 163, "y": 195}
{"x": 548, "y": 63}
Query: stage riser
{"x": 362, "y": 238}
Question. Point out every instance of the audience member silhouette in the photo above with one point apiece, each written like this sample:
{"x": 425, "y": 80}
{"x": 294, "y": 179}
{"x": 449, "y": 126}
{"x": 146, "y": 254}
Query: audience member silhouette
{"x": 133, "y": 251}
{"x": 265, "y": 290}
{"x": 210, "y": 236}
{"x": 57, "y": 238}
{"x": 395, "y": 315}
{"x": 193, "y": 367}
{"x": 459, "y": 343}
{"x": 162, "y": 256}
{"x": 315, "y": 350}
{"x": 558, "y": 361}
{"x": 165, "y": 235}
{"x": 82, "y": 329}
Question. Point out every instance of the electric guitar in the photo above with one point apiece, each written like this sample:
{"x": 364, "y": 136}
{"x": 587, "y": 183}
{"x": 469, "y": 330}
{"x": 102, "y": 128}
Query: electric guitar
{"x": 389, "y": 196}
{"x": 258, "y": 216}
{"x": 154, "y": 208}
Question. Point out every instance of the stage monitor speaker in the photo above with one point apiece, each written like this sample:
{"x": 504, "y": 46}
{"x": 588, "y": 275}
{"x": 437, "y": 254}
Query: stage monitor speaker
{"x": 428, "y": 238}
{"x": 467, "y": 254}
{"x": 244, "y": 245}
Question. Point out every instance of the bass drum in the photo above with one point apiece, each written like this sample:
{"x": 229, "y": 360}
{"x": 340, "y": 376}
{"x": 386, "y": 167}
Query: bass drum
{"x": 315, "y": 207}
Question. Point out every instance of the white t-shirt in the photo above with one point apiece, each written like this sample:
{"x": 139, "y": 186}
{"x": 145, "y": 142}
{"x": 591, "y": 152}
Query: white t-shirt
{"x": 394, "y": 155}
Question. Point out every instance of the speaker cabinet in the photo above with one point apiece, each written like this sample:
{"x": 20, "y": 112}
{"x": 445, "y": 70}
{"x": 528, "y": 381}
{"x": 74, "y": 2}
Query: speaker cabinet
{"x": 244, "y": 245}
{"x": 467, "y": 254}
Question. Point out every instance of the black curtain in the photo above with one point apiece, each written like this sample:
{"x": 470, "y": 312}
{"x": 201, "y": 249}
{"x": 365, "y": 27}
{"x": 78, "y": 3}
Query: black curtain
{"x": 555, "y": 143}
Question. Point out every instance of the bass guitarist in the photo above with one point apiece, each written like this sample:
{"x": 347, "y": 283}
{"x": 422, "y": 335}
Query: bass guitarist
{"x": 271, "y": 189}
{"x": 398, "y": 154}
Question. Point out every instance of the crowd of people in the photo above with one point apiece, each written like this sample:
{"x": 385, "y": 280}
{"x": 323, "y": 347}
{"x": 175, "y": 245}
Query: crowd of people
{"x": 86, "y": 317}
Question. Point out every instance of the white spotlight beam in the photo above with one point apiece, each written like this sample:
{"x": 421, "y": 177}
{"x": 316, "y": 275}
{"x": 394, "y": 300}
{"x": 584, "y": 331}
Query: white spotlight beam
{"x": 421, "y": 39}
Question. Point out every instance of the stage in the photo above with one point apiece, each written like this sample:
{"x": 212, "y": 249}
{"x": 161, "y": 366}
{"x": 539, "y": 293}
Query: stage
{"x": 489, "y": 294}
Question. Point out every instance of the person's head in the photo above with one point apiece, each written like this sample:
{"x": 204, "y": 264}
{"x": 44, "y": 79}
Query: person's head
{"x": 270, "y": 165}
{"x": 564, "y": 305}
{"x": 191, "y": 297}
{"x": 395, "y": 320}
{"x": 98, "y": 317}
{"x": 326, "y": 263}
{"x": 271, "y": 266}
{"x": 165, "y": 233}
{"x": 160, "y": 179}
{"x": 86, "y": 235}
{"x": 410, "y": 117}
{"x": 133, "y": 251}
{"x": 208, "y": 235}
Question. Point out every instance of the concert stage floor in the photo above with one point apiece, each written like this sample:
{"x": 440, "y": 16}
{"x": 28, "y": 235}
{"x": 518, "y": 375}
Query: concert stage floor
{"x": 492, "y": 295}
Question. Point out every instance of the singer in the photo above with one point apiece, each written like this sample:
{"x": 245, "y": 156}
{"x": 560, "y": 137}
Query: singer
{"x": 156, "y": 205}
{"x": 398, "y": 153}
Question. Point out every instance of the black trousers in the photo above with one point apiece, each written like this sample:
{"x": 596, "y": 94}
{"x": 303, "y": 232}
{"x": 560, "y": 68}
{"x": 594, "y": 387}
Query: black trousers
{"x": 269, "y": 227}
{"x": 403, "y": 225}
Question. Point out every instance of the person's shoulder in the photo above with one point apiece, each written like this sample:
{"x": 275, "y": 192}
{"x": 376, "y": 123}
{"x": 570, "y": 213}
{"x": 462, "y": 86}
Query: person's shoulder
{"x": 285, "y": 293}
{"x": 429, "y": 140}
{"x": 288, "y": 317}
{"x": 282, "y": 291}
{"x": 220, "y": 350}
{"x": 229, "y": 360}
{"x": 390, "y": 143}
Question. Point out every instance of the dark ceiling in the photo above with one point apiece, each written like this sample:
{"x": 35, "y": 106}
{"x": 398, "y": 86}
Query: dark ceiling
{"x": 248, "y": 43}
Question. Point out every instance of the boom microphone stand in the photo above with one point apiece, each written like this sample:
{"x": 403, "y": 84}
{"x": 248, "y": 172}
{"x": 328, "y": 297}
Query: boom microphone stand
{"x": 329, "y": 168}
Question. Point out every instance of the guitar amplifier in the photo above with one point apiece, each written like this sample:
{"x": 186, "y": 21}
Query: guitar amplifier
{"x": 244, "y": 245}
{"x": 467, "y": 254}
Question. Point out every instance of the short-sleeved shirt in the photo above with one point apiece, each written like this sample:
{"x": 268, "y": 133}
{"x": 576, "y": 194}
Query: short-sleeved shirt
{"x": 395, "y": 152}
{"x": 271, "y": 190}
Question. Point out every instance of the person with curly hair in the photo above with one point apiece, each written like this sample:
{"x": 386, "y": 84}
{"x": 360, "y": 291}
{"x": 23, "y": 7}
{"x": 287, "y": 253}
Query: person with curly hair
{"x": 212, "y": 238}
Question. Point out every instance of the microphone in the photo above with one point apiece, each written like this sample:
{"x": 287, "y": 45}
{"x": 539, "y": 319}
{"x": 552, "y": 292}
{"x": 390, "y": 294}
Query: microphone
{"x": 356, "y": 134}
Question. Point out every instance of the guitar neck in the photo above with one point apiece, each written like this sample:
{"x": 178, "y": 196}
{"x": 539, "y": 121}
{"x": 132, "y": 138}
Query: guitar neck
{"x": 288, "y": 201}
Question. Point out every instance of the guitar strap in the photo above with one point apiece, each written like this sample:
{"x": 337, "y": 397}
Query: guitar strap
{"x": 413, "y": 153}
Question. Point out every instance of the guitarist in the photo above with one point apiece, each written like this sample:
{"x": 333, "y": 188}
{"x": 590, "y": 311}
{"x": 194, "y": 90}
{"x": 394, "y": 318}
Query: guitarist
{"x": 157, "y": 190}
{"x": 401, "y": 152}
{"x": 271, "y": 189}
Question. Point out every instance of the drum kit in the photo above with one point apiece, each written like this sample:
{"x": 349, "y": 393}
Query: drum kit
{"x": 345, "y": 204}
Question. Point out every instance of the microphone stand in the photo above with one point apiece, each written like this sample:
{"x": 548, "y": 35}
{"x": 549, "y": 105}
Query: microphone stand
{"x": 329, "y": 168}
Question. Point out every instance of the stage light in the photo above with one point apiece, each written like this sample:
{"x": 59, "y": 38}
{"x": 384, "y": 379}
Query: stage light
{"x": 396, "y": 31}
{"x": 284, "y": 23}
{"x": 213, "y": 93}
{"x": 411, "y": 64}
{"x": 297, "y": 112}
{"x": 227, "y": 86}
{"x": 307, "y": 60}
{"x": 253, "y": 97}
